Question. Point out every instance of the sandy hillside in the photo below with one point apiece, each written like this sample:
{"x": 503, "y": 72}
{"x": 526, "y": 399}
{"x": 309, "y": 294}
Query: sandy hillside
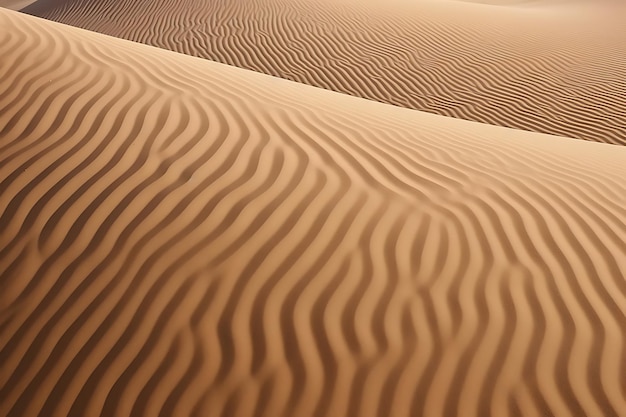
{"x": 551, "y": 66}
{"x": 179, "y": 237}
{"x": 15, "y": 4}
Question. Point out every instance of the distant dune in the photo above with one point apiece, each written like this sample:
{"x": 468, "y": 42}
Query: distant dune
{"x": 551, "y": 66}
{"x": 180, "y": 237}
{"x": 15, "y": 4}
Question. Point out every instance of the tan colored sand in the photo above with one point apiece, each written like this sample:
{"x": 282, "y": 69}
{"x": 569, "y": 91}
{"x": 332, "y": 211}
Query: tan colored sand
{"x": 180, "y": 237}
{"x": 551, "y": 66}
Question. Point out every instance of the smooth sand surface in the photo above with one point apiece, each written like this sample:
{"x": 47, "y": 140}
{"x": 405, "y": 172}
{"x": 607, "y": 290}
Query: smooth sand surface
{"x": 550, "y": 66}
{"x": 180, "y": 237}
{"x": 15, "y": 4}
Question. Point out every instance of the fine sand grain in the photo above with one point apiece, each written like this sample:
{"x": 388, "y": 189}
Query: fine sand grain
{"x": 179, "y": 237}
{"x": 15, "y": 4}
{"x": 551, "y": 66}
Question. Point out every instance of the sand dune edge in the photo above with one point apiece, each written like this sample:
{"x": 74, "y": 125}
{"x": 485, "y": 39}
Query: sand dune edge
{"x": 550, "y": 66}
{"x": 179, "y": 237}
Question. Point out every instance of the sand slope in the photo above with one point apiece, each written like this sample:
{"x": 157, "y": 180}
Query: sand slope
{"x": 15, "y": 4}
{"x": 551, "y": 66}
{"x": 179, "y": 237}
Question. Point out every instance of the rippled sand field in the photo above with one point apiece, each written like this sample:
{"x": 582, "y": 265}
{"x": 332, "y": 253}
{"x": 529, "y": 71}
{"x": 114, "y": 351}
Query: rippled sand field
{"x": 549, "y": 66}
{"x": 180, "y": 237}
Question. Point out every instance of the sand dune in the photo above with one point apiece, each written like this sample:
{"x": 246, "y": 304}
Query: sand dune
{"x": 15, "y": 4}
{"x": 551, "y": 66}
{"x": 179, "y": 237}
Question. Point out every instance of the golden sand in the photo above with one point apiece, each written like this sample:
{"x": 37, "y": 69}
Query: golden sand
{"x": 549, "y": 66}
{"x": 180, "y": 237}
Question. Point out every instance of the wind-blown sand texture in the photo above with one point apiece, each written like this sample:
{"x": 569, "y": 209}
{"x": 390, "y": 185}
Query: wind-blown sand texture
{"x": 179, "y": 237}
{"x": 550, "y": 66}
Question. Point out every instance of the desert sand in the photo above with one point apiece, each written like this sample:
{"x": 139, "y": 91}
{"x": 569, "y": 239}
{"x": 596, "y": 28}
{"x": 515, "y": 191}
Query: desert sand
{"x": 180, "y": 237}
{"x": 15, "y": 4}
{"x": 550, "y": 66}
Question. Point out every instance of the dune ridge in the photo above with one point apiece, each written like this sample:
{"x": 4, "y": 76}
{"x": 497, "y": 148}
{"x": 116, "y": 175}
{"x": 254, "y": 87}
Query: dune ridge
{"x": 179, "y": 237}
{"x": 554, "y": 67}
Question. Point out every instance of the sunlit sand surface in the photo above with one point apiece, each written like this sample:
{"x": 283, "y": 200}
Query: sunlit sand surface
{"x": 550, "y": 66}
{"x": 180, "y": 237}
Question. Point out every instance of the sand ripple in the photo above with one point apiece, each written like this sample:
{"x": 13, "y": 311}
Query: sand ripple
{"x": 179, "y": 237}
{"x": 557, "y": 69}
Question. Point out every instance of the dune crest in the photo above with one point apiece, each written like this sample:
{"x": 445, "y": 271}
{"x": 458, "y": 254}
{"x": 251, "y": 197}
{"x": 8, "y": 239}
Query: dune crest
{"x": 180, "y": 238}
{"x": 552, "y": 66}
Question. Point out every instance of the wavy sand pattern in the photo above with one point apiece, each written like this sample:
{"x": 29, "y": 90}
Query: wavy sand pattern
{"x": 556, "y": 67}
{"x": 179, "y": 237}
